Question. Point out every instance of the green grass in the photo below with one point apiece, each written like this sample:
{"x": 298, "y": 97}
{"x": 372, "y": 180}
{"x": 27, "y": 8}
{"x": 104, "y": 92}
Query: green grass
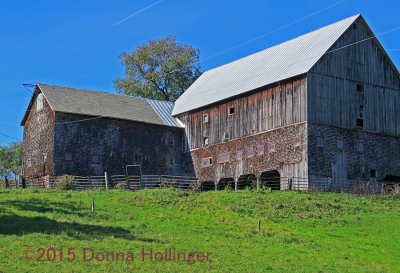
{"x": 300, "y": 232}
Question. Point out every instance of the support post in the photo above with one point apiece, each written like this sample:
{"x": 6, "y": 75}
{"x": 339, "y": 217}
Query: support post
{"x": 236, "y": 183}
{"x": 106, "y": 179}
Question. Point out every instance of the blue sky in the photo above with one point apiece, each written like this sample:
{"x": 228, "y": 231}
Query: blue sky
{"x": 77, "y": 44}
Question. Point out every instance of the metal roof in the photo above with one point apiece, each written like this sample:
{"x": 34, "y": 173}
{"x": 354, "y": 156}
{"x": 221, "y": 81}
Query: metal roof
{"x": 283, "y": 61}
{"x": 102, "y": 104}
{"x": 164, "y": 110}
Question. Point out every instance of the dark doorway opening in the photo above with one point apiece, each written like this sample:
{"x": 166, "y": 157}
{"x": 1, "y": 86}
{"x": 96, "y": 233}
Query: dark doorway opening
{"x": 271, "y": 179}
{"x": 207, "y": 186}
{"x": 247, "y": 181}
{"x": 226, "y": 183}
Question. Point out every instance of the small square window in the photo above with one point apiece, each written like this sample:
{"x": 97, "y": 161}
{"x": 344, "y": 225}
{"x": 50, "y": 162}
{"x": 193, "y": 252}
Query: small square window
{"x": 360, "y": 122}
{"x": 297, "y": 141}
{"x": 372, "y": 173}
{"x": 224, "y": 158}
{"x": 340, "y": 144}
{"x": 260, "y": 150}
{"x": 205, "y": 141}
{"x": 205, "y": 118}
{"x": 206, "y": 162}
{"x": 360, "y": 88}
{"x": 271, "y": 147}
{"x": 226, "y": 135}
{"x": 239, "y": 155}
{"x": 231, "y": 110}
{"x": 360, "y": 147}
{"x": 95, "y": 159}
{"x": 250, "y": 153}
{"x": 44, "y": 158}
{"x": 68, "y": 157}
{"x": 29, "y": 163}
{"x": 319, "y": 141}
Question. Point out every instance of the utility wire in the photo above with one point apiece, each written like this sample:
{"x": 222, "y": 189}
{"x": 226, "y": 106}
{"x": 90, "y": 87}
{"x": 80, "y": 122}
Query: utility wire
{"x": 9, "y": 136}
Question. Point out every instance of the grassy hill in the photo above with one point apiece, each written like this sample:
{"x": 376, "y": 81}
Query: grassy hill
{"x": 300, "y": 232}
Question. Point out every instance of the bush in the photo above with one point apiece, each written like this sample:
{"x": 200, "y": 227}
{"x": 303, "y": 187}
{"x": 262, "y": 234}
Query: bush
{"x": 65, "y": 182}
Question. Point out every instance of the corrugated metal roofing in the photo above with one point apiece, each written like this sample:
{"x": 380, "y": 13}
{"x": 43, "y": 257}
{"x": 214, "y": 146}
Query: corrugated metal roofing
{"x": 96, "y": 103}
{"x": 164, "y": 110}
{"x": 283, "y": 61}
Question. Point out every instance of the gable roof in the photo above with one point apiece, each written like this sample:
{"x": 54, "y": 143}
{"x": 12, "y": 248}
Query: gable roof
{"x": 102, "y": 104}
{"x": 289, "y": 59}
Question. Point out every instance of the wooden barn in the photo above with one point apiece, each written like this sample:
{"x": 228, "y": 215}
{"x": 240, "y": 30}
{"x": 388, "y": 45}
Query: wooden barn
{"x": 86, "y": 133}
{"x": 324, "y": 106}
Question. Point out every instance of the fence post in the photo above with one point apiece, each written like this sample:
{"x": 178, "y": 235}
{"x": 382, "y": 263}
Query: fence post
{"x": 106, "y": 179}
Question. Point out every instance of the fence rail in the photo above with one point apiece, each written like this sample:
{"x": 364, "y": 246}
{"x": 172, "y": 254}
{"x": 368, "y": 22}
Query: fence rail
{"x": 135, "y": 183}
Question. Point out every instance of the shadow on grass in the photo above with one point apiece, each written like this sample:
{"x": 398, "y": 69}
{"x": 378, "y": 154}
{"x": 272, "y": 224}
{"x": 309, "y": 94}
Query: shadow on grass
{"x": 45, "y": 206}
{"x": 20, "y": 225}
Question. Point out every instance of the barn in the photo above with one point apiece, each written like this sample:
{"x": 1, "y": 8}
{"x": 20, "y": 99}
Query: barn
{"x": 86, "y": 133}
{"x": 321, "y": 108}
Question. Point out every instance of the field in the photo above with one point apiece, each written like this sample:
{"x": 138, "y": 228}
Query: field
{"x": 300, "y": 232}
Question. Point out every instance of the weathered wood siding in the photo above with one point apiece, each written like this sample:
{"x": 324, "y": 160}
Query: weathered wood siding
{"x": 274, "y": 107}
{"x": 332, "y": 86}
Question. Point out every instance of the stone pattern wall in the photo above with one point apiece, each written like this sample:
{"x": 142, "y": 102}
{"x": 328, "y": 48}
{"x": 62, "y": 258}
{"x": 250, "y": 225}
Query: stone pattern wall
{"x": 380, "y": 152}
{"x": 38, "y": 141}
{"x": 118, "y": 143}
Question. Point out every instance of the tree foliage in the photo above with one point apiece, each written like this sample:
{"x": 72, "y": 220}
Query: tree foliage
{"x": 162, "y": 69}
{"x": 11, "y": 159}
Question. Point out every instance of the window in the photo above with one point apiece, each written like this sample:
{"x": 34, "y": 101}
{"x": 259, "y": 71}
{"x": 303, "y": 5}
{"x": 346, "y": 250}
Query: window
{"x": 271, "y": 147}
{"x": 29, "y": 163}
{"x": 205, "y": 141}
{"x": 340, "y": 144}
{"x": 239, "y": 155}
{"x": 360, "y": 87}
{"x": 250, "y": 152}
{"x": 205, "y": 118}
{"x": 68, "y": 156}
{"x": 224, "y": 158}
{"x": 297, "y": 141}
{"x": 260, "y": 150}
{"x": 44, "y": 158}
{"x": 360, "y": 123}
{"x": 207, "y": 162}
{"x": 231, "y": 111}
{"x": 95, "y": 159}
{"x": 39, "y": 102}
{"x": 226, "y": 135}
{"x": 372, "y": 173}
{"x": 170, "y": 141}
{"x": 360, "y": 147}
{"x": 319, "y": 141}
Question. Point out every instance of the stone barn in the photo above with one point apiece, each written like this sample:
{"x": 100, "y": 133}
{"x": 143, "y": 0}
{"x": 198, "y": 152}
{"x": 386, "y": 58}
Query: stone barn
{"x": 324, "y": 106}
{"x": 86, "y": 133}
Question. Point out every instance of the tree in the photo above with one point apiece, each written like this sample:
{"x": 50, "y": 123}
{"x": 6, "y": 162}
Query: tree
{"x": 11, "y": 161}
{"x": 162, "y": 69}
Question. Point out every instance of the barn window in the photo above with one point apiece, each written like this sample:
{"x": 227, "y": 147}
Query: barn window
{"x": 205, "y": 118}
{"x": 297, "y": 141}
{"x": 239, "y": 155}
{"x": 29, "y": 163}
{"x": 250, "y": 152}
{"x": 231, "y": 110}
{"x": 260, "y": 150}
{"x": 44, "y": 158}
{"x": 226, "y": 135}
{"x": 360, "y": 147}
{"x": 39, "y": 102}
{"x": 360, "y": 123}
{"x": 372, "y": 173}
{"x": 68, "y": 156}
{"x": 205, "y": 141}
{"x": 340, "y": 144}
{"x": 95, "y": 159}
{"x": 271, "y": 147}
{"x": 360, "y": 88}
{"x": 319, "y": 141}
{"x": 224, "y": 158}
{"x": 206, "y": 162}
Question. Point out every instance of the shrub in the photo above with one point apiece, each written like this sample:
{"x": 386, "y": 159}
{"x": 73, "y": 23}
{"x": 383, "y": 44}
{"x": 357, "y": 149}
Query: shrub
{"x": 65, "y": 182}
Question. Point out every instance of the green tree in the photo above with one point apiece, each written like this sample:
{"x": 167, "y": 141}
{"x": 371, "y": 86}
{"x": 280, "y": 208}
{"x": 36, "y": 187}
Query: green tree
{"x": 162, "y": 69}
{"x": 11, "y": 161}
